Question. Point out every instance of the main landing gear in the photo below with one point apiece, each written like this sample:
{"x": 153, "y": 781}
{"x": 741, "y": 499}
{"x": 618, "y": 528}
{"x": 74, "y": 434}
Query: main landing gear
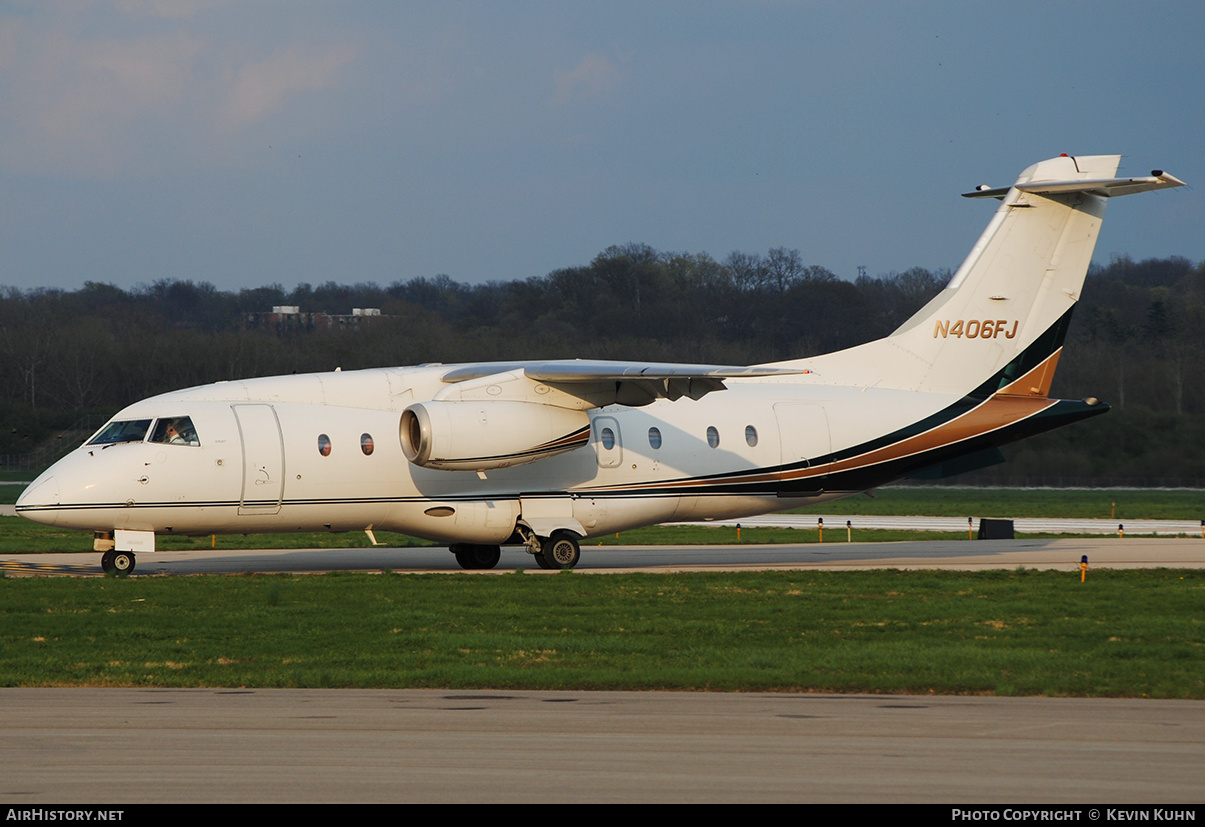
{"x": 116, "y": 562}
{"x": 560, "y": 551}
{"x": 476, "y": 557}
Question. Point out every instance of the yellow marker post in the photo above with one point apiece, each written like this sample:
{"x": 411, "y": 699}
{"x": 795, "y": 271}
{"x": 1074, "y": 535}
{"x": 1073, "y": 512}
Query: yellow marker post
{"x": 820, "y": 530}
{"x": 214, "y": 542}
{"x": 1121, "y": 530}
{"x": 849, "y": 531}
{"x": 738, "y": 532}
{"x": 970, "y": 529}
{"x": 1083, "y": 568}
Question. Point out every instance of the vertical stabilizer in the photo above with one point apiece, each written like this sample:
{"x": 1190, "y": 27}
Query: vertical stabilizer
{"x": 999, "y": 324}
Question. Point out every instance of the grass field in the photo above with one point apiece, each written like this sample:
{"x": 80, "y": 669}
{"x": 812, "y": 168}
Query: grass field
{"x": 1083, "y": 503}
{"x": 1122, "y": 633}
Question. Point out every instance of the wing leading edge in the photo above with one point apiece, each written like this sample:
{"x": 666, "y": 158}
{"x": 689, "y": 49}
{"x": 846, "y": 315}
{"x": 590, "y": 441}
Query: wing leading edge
{"x": 614, "y": 382}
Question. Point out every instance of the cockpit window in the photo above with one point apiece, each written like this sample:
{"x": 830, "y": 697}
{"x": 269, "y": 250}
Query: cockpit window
{"x": 175, "y": 430}
{"x": 130, "y": 430}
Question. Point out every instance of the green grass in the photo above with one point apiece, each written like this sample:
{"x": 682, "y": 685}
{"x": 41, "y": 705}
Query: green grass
{"x": 9, "y": 491}
{"x": 1122, "y": 633}
{"x": 1084, "y": 503}
{"x": 14, "y": 477}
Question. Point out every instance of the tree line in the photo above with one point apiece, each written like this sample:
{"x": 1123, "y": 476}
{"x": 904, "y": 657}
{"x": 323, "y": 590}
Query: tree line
{"x": 1135, "y": 340}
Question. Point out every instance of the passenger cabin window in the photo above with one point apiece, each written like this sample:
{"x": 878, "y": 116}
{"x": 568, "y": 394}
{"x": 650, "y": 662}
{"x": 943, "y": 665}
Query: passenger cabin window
{"x": 175, "y": 430}
{"x": 713, "y": 436}
{"x": 751, "y": 436}
{"x": 654, "y": 438}
{"x": 130, "y": 430}
{"x": 324, "y": 445}
{"x": 607, "y": 436}
{"x": 366, "y": 444}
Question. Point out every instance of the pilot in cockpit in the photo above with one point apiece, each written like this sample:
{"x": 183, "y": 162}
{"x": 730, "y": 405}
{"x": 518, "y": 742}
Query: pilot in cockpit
{"x": 175, "y": 431}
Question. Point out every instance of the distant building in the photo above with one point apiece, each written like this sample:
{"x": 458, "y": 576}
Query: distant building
{"x": 288, "y": 319}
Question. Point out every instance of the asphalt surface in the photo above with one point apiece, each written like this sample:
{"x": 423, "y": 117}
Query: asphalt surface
{"x": 124, "y": 746}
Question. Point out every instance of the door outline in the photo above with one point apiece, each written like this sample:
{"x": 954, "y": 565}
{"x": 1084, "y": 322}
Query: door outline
{"x": 607, "y": 457}
{"x": 263, "y": 459}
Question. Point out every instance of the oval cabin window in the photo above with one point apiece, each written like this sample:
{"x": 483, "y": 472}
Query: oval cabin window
{"x": 713, "y": 436}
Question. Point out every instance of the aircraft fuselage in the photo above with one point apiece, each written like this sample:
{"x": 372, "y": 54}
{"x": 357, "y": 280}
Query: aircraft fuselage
{"x": 322, "y": 452}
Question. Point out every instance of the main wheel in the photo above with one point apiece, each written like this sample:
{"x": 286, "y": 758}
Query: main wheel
{"x": 116, "y": 562}
{"x": 463, "y": 554}
{"x": 485, "y": 557}
{"x": 561, "y": 550}
{"x": 476, "y": 557}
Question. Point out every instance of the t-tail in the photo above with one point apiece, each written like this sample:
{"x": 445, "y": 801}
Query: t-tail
{"x": 998, "y": 326}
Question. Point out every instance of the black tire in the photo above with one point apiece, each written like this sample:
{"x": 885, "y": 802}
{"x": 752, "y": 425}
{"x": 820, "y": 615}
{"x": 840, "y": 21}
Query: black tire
{"x": 122, "y": 563}
{"x": 106, "y": 562}
{"x": 561, "y": 550}
{"x": 463, "y": 554}
{"x": 474, "y": 558}
{"x": 487, "y": 557}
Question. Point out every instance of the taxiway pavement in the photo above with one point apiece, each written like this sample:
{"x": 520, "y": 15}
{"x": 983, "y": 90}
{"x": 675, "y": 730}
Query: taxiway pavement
{"x": 120, "y": 746}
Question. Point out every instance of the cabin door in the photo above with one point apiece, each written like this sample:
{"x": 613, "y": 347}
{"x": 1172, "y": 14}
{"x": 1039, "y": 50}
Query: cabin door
{"x": 263, "y": 459}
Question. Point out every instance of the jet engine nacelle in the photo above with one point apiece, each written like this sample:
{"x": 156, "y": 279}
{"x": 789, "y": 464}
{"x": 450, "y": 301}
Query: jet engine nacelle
{"x": 480, "y": 435}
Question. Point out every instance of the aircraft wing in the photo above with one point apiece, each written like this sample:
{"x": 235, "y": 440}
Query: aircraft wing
{"x": 612, "y": 382}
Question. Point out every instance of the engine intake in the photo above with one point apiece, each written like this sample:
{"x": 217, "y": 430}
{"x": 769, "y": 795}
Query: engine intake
{"x": 479, "y": 436}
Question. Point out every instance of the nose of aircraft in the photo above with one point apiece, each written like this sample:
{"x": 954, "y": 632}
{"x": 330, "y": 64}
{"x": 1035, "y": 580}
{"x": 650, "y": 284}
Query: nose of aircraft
{"x": 39, "y": 502}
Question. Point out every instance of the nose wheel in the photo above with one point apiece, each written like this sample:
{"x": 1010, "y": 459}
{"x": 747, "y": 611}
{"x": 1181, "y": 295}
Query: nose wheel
{"x": 116, "y": 562}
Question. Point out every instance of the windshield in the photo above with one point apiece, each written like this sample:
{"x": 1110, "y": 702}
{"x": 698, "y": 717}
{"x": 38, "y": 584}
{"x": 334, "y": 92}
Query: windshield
{"x": 130, "y": 430}
{"x": 175, "y": 430}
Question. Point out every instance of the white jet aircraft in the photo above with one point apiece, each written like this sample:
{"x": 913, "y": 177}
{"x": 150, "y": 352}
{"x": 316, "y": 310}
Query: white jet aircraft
{"x": 544, "y": 454}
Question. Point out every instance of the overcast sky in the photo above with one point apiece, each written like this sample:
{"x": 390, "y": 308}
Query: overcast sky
{"x": 247, "y": 143}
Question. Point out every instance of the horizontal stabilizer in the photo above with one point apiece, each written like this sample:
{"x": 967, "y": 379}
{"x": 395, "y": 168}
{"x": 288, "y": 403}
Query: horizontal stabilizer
{"x": 1106, "y": 187}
